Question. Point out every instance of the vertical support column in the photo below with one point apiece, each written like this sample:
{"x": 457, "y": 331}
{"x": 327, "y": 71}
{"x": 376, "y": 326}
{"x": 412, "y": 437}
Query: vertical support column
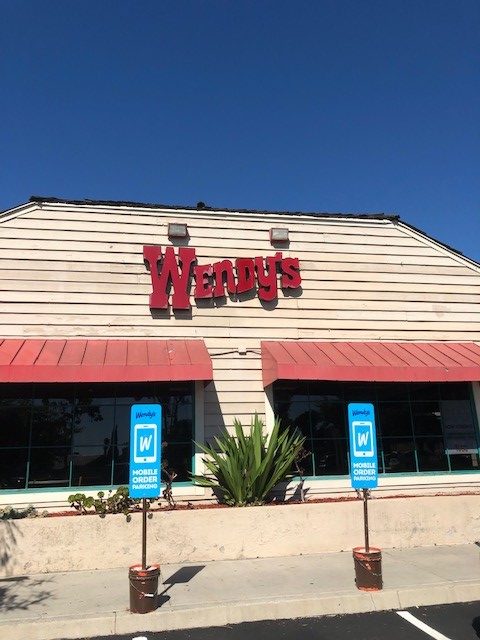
{"x": 476, "y": 399}
{"x": 269, "y": 412}
{"x": 199, "y": 435}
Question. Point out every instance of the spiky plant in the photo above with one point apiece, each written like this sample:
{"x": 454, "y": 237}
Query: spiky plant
{"x": 244, "y": 468}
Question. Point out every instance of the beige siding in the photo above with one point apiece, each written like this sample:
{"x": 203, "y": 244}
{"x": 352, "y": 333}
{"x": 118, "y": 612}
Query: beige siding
{"x": 70, "y": 271}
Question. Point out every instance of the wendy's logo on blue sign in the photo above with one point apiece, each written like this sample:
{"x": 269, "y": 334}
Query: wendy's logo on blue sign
{"x": 145, "y": 450}
{"x": 363, "y": 446}
{"x": 362, "y": 438}
{"x": 145, "y": 413}
{"x": 145, "y": 443}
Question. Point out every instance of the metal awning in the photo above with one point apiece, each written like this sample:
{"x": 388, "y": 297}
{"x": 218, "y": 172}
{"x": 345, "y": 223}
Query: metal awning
{"x": 54, "y": 360}
{"x": 371, "y": 361}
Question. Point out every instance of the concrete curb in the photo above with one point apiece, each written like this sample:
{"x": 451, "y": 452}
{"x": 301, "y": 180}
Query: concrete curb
{"x": 76, "y": 626}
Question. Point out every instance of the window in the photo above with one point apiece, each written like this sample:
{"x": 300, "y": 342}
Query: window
{"x": 77, "y": 435}
{"x": 421, "y": 427}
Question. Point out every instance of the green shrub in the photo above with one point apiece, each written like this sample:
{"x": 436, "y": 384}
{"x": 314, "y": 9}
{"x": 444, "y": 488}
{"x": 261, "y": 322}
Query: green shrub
{"x": 243, "y": 469}
{"x": 12, "y": 513}
{"x": 115, "y": 502}
{"x": 80, "y": 502}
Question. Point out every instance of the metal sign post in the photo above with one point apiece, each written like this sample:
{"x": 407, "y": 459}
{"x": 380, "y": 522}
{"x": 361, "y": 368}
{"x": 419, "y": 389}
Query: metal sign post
{"x": 145, "y": 459}
{"x": 364, "y": 477}
{"x": 144, "y": 533}
{"x": 363, "y": 454}
{"x": 365, "y": 519}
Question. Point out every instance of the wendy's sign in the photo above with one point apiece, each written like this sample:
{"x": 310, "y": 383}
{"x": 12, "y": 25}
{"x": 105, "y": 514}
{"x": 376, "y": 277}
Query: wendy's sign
{"x": 172, "y": 275}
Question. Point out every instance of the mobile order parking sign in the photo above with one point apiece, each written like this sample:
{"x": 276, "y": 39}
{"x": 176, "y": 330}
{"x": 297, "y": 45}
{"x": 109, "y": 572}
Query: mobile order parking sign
{"x": 145, "y": 450}
{"x": 363, "y": 446}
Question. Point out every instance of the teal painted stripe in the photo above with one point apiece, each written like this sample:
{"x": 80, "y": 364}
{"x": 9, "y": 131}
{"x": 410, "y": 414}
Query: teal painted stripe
{"x": 71, "y": 490}
{"x": 392, "y": 475}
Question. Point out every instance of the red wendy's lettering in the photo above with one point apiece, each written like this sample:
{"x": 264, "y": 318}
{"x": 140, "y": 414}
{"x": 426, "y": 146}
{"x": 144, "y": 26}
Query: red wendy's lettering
{"x": 203, "y": 275}
{"x": 267, "y": 278}
{"x": 245, "y": 274}
{"x": 221, "y": 269}
{"x": 170, "y": 273}
{"x": 291, "y": 278}
{"x": 176, "y": 271}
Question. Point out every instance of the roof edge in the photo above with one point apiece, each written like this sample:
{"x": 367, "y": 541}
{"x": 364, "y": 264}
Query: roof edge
{"x": 439, "y": 242}
{"x": 17, "y": 210}
{"x": 203, "y": 207}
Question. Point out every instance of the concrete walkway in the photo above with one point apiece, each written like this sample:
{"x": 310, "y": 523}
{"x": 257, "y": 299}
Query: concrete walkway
{"x": 95, "y": 603}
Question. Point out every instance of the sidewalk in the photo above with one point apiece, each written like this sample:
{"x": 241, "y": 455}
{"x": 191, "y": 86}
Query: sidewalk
{"x": 95, "y": 603}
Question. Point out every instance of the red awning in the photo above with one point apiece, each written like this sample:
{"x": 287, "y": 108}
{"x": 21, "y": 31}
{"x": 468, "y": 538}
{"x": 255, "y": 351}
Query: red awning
{"x": 371, "y": 361}
{"x": 37, "y": 360}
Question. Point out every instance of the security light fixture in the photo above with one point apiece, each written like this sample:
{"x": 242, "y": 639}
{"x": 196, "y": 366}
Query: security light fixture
{"x": 177, "y": 230}
{"x": 278, "y": 234}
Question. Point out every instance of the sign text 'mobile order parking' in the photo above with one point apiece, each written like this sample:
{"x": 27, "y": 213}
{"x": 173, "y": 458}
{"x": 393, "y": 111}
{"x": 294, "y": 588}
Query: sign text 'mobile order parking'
{"x": 363, "y": 446}
{"x": 145, "y": 450}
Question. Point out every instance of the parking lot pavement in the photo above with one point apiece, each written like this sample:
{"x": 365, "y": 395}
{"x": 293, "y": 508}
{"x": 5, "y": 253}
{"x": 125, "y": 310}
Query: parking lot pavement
{"x": 442, "y": 622}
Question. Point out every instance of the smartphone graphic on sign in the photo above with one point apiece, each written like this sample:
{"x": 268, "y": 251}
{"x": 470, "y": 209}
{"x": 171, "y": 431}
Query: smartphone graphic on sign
{"x": 145, "y": 443}
{"x": 362, "y": 438}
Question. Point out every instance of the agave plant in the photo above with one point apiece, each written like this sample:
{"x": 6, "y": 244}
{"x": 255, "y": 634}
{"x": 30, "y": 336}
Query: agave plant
{"x": 243, "y": 469}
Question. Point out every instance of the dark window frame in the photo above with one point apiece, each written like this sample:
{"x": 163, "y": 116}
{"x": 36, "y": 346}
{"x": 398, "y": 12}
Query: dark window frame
{"x": 386, "y": 394}
{"x": 31, "y": 398}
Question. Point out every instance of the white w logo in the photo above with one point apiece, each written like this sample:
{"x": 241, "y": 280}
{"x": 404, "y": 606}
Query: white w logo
{"x": 145, "y": 443}
{"x": 363, "y": 439}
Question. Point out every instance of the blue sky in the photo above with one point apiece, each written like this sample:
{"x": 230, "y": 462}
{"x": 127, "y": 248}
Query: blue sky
{"x": 313, "y": 105}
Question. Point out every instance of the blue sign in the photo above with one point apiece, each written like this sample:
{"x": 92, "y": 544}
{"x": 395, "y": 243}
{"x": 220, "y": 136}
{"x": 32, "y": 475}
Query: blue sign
{"x": 363, "y": 446}
{"x": 145, "y": 450}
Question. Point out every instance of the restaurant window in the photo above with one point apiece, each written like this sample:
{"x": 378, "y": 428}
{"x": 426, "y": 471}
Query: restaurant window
{"x": 77, "y": 435}
{"x": 421, "y": 427}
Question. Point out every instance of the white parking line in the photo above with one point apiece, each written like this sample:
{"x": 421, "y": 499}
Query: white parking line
{"x": 406, "y": 615}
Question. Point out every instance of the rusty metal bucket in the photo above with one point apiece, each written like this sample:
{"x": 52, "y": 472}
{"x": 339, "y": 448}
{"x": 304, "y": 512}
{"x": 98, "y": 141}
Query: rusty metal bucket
{"x": 143, "y": 588}
{"x": 368, "y": 568}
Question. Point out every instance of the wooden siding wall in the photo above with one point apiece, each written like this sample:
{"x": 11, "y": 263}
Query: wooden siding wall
{"x": 69, "y": 270}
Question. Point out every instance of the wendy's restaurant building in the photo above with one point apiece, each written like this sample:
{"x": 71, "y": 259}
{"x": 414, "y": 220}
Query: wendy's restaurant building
{"x": 220, "y": 314}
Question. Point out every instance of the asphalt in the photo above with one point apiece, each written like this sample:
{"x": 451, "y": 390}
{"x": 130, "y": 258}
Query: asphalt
{"x": 446, "y": 622}
{"x": 95, "y": 603}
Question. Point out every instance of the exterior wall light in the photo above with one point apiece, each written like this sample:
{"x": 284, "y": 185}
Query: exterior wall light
{"x": 177, "y": 230}
{"x": 278, "y": 234}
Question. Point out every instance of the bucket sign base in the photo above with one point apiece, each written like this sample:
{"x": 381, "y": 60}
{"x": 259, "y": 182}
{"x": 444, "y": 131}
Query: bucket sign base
{"x": 368, "y": 568}
{"x": 143, "y": 588}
